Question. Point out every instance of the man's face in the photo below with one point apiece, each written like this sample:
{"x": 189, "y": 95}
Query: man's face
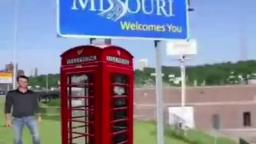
{"x": 23, "y": 83}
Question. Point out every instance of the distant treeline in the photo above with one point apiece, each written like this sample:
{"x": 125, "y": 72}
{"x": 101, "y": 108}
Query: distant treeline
{"x": 214, "y": 74}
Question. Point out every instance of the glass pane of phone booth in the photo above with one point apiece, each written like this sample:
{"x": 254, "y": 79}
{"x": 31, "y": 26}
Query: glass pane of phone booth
{"x": 81, "y": 106}
{"x": 120, "y": 93}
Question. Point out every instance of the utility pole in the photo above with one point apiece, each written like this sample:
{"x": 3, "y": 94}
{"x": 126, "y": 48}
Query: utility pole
{"x": 16, "y": 9}
{"x": 47, "y": 83}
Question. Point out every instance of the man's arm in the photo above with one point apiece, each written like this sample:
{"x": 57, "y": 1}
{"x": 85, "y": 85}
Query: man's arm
{"x": 7, "y": 110}
{"x": 37, "y": 108}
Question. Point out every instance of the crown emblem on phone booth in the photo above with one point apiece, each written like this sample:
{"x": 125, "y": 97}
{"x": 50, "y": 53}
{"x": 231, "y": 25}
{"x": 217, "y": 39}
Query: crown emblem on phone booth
{"x": 79, "y": 52}
{"x": 119, "y": 52}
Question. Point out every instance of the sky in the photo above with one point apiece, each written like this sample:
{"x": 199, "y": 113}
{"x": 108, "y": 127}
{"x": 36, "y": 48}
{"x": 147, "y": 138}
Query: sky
{"x": 217, "y": 25}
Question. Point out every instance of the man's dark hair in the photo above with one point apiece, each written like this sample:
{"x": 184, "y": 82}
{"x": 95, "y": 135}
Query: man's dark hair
{"x": 22, "y": 76}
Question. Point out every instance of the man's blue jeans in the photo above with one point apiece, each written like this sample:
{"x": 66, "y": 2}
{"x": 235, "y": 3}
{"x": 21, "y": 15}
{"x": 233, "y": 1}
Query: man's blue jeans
{"x": 31, "y": 123}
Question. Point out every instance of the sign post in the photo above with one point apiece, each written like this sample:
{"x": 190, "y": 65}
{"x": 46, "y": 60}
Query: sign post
{"x": 216, "y": 127}
{"x": 159, "y": 94}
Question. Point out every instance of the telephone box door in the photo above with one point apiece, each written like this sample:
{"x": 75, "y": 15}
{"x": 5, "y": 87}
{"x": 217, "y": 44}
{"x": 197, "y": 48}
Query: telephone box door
{"x": 121, "y": 110}
{"x": 79, "y": 108}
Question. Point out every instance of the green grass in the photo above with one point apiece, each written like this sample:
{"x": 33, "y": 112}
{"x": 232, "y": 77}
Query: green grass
{"x": 49, "y": 129}
{"x": 197, "y": 137}
{"x": 145, "y": 133}
{"x": 54, "y": 102}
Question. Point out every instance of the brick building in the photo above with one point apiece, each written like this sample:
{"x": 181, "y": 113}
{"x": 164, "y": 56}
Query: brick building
{"x": 234, "y": 106}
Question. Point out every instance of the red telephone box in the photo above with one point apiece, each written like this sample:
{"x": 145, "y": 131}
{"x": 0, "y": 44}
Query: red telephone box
{"x": 97, "y": 95}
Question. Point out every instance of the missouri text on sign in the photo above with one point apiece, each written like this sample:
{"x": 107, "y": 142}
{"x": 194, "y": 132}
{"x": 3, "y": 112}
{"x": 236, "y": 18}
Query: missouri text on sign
{"x": 152, "y": 19}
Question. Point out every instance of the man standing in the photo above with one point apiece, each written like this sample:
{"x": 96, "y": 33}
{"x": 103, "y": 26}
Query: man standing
{"x": 23, "y": 105}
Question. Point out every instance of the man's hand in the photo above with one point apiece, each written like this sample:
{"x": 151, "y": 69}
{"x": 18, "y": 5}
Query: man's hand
{"x": 39, "y": 119}
{"x": 8, "y": 123}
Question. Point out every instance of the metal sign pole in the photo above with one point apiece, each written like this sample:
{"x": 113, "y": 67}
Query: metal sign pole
{"x": 216, "y": 127}
{"x": 159, "y": 95}
{"x": 96, "y": 41}
{"x": 183, "y": 81}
